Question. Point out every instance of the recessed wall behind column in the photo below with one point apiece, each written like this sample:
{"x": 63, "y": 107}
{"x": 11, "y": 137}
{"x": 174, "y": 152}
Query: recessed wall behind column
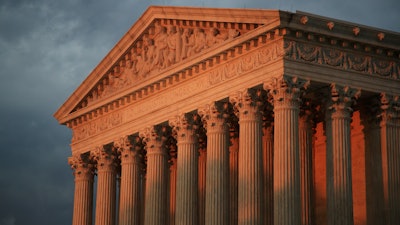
{"x": 358, "y": 173}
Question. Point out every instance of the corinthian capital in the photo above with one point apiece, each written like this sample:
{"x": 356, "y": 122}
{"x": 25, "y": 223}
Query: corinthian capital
{"x": 214, "y": 115}
{"x": 105, "y": 157}
{"x": 185, "y": 126}
{"x": 82, "y": 165}
{"x": 130, "y": 148}
{"x": 248, "y": 101}
{"x": 286, "y": 90}
{"x": 155, "y": 137}
{"x": 342, "y": 98}
{"x": 390, "y": 106}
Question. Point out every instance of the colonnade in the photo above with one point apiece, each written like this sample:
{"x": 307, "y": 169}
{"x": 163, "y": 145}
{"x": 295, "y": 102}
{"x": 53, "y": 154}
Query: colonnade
{"x": 243, "y": 160}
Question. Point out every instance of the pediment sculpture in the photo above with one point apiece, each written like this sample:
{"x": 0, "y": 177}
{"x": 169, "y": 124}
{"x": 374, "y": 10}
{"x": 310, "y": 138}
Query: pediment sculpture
{"x": 163, "y": 45}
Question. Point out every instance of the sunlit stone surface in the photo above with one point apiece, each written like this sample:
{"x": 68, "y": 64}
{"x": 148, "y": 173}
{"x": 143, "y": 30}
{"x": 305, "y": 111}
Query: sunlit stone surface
{"x": 237, "y": 116}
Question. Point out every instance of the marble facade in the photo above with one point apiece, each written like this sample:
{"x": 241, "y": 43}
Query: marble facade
{"x": 202, "y": 116}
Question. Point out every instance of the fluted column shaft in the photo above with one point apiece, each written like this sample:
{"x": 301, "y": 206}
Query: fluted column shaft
{"x": 268, "y": 159}
{"x": 83, "y": 195}
{"x": 390, "y": 146}
{"x": 187, "y": 172}
{"x": 339, "y": 179}
{"x": 172, "y": 190}
{"x": 306, "y": 147}
{"x": 373, "y": 163}
{"x": 250, "y": 172}
{"x": 286, "y": 94}
{"x": 156, "y": 179}
{"x": 106, "y": 187}
{"x": 202, "y": 184}
{"x": 233, "y": 176}
{"x": 217, "y": 169}
{"x": 130, "y": 184}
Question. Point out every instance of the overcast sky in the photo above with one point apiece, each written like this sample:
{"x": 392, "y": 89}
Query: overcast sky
{"x": 47, "y": 48}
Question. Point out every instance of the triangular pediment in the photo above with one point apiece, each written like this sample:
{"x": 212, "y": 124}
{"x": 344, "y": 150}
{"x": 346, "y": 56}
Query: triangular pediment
{"x": 162, "y": 39}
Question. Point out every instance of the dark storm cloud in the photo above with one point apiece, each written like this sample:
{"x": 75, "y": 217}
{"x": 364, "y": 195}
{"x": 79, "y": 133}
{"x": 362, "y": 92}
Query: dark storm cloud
{"x": 47, "y": 48}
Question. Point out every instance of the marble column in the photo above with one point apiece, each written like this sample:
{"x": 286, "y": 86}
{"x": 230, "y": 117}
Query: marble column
{"x": 233, "y": 172}
{"x": 143, "y": 175}
{"x": 370, "y": 118}
{"x": 268, "y": 171}
{"x": 286, "y": 93}
{"x": 130, "y": 150}
{"x": 106, "y": 185}
{"x": 185, "y": 126}
{"x": 306, "y": 130}
{"x": 172, "y": 186}
{"x": 250, "y": 172}
{"x": 338, "y": 155}
{"x": 202, "y": 177}
{"x": 390, "y": 146}
{"x": 156, "y": 178}
{"x": 83, "y": 195}
{"x": 217, "y": 171}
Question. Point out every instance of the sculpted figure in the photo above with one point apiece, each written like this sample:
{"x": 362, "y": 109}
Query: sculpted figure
{"x": 199, "y": 41}
{"x": 174, "y": 42}
{"x": 232, "y": 33}
{"x": 187, "y": 42}
{"x": 148, "y": 55}
{"x": 137, "y": 63}
{"x": 160, "y": 41}
{"x": 211, "y": 37}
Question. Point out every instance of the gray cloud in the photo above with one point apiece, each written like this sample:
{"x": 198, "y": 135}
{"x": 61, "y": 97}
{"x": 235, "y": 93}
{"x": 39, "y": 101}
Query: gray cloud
{"x": 47, "y": 48}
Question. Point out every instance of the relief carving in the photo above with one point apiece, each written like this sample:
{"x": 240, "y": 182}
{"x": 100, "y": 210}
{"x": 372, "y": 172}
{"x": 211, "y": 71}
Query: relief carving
{"x": 334, "y": 57}
{"x": 341, "y": 59}
{"x": 383, "y": 68}
{"x": 309, "y": 53}
{"x": 159, "y": 48}
{"x": 96, "y": 126}
{"x": 246, "y": 63}
{"x": 360, "y": 63}
{"x": 216, "y": 76}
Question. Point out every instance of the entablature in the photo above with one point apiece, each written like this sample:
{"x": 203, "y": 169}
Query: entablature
{"x": 125, "y": 93}
{"x": 169, "y": 49}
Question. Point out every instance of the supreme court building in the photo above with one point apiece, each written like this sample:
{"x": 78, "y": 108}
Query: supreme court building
{"x": 202, "y": 116}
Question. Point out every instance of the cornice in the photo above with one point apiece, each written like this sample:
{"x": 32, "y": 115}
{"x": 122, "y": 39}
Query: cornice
{"x": 209, "y": 83}
{"x": 260, "y": 25}
{"x": 140, "y": 27}
{"x": 343, "y": 30}
{"x": 179, "y": 72}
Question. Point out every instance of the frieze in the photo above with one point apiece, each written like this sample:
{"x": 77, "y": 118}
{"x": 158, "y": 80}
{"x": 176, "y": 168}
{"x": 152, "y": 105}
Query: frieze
{"x": 246, "y": 63}
{"x": 342, "y": 59}
{"x": 96, "y": 126}
{"x": 253, "y": 60}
